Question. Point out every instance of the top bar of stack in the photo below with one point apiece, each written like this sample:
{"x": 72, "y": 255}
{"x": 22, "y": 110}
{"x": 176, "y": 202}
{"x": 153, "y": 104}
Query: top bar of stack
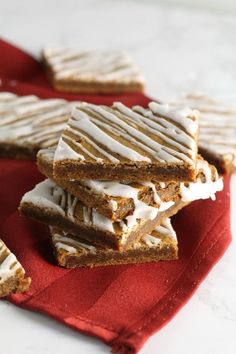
{"x": 119, "y": 143}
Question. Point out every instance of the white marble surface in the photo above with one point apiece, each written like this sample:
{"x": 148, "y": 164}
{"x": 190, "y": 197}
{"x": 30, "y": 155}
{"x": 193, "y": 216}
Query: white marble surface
{"x": 179, "y": 45}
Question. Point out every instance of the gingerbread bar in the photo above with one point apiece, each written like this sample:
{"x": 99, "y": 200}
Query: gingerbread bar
{"x": 106, "y": 72}
{"x": 28, "y": 124}
{"x": 120, "y": 143}
{"x": 217, "y": 139}
{"x": 50, "y": 204}
{"x": 116, "y": 200}
{"x": 71, "y": 252}
{"x": 12, "y": 274}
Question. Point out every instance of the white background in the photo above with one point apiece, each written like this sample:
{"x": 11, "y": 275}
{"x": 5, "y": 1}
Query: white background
{"x": 179, "y": 46}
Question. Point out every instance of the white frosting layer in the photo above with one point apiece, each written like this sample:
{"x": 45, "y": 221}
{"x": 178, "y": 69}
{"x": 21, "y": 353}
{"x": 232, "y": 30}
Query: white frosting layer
{"x": 98, "y": 66}
{"x": 9, "y": 265}
{"x": 201, "y": 190}
{"x": 123, "y": 134}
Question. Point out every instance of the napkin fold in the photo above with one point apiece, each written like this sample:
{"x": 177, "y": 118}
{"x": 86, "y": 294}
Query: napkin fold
{"x": 107, "y": 302}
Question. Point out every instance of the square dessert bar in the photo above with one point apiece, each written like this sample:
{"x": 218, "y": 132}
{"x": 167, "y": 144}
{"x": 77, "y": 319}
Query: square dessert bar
{"x": 28, "y": 123}
{"x": 12, "y": 274}
{"x": 51, "y": 205}
{"x": 116, "y": 200}
{"x": 217, "y": 137}
{"x": 70, "y": 252}
{"x": 120, "y": 143}
{"x": 106, "y": 72}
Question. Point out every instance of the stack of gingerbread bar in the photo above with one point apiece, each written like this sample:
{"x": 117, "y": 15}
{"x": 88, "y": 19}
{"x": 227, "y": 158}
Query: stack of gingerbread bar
{"x": 115, "y": 178}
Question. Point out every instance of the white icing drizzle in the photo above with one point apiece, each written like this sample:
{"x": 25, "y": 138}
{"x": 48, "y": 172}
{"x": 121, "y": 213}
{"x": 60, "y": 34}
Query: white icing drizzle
{"x": 146, "y": 136}
{"x": 151, "y": 240}
{"x": 64, "y": 246}
{"x": 99, "y": 66}
{"x": 199, "y": 189}
{"x": 217, "y": 125}
{"x": 102, "y": 151}
{"x": 9, "y": 266}
{"x": 156, "y": 197}
{"x": 166, "y": 229}
{"x": 71, "y": 204}
{"x": 156, "y": 150}
{"x": 117, "y": 189}
{"x": 101, "y": 222}
{"x": 32, "y": 122}
{"x": 62, "y": 241}
{"x": 82, "y": 122}
{"x": 166, "y": 205}
{"x": 46, "y": 195}
{"x": 113, "y": 205}
{"x": 186, "y": 117}
{"x": 161, "y": 127}
{"x": 64, "y": 149}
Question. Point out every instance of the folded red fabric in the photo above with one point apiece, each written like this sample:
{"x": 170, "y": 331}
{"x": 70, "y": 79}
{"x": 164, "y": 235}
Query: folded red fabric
{"x": 106, "y": 302}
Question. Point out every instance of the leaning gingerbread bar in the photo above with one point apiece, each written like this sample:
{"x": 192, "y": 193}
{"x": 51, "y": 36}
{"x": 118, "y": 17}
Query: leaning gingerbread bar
{"x": 119, "y": 143}
{"x": 116, "y": 200}
{"x": 50, "y": 204}
{"x": 70, "y": 251}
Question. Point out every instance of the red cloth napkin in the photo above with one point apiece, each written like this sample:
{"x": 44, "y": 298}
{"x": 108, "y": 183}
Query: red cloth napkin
{"x": 107, "y": 302}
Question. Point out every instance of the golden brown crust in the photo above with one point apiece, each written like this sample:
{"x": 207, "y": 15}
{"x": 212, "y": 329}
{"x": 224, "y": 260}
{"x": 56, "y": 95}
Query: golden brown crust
{"x": 72, "y": 169}
{"x": 165, "y": 253}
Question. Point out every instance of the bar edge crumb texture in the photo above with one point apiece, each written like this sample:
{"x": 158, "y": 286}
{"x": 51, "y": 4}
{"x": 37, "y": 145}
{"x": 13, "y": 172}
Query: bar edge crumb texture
{"x": 12, "y": 274}
{"x": 119, "y": 143}
{"x": 71, "y": 252}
